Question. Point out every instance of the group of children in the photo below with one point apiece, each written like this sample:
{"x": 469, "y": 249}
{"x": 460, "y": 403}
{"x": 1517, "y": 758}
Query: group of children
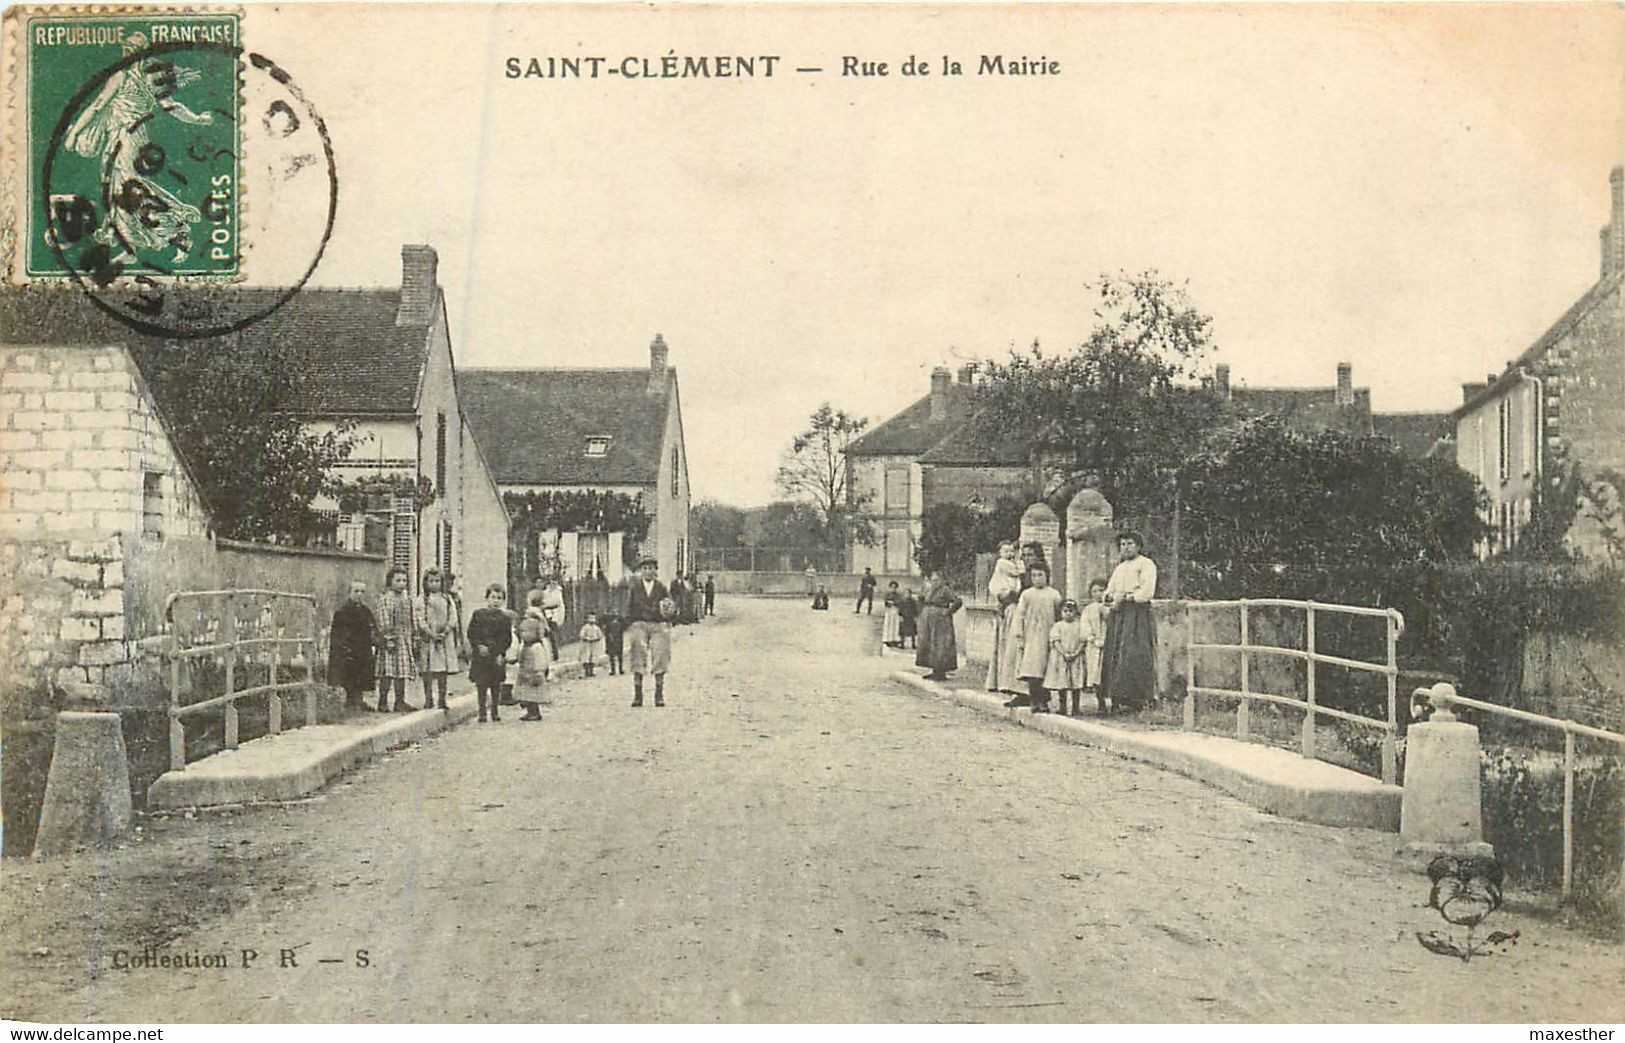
{"x": 424, "y": 638}
{"x": 1050, "y": 642}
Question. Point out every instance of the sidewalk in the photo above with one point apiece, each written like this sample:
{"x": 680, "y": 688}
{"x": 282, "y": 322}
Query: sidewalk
{"x": 300, "y": 761}
{"x": 1271, "y": 779}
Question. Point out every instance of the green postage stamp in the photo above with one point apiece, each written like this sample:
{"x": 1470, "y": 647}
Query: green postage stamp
{"x": 134, "y": 146}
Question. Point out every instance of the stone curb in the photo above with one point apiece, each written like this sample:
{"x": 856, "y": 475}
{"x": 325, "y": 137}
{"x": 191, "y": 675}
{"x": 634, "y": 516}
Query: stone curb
{"x": 1345, "y": 798}
{"x": 212, "y": 782}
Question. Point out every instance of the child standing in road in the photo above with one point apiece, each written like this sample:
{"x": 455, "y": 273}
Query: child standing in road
{"x": 591, "y": 639}
{"x": 1064, "y": 675}
{"x": 489, "y": 633}
{"x": 908, "y": 620}
{"x": 398, "y": 628}
{"x": 614, "y": 642}
{"x": 440, "y": 633}
{"x": 891, "y": 624}
{"x": 530, "y": 686}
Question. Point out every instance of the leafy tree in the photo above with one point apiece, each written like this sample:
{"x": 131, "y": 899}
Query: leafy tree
{"x": 259, "y": 467}
{"x": 814, "y": 471}
{"x": 713, "y": 524}
{"x": 1121, "y": 410}
{"x": 1273, "y": 510}
{"x": 786, "y": 524}
{"x": 952, "y": 534}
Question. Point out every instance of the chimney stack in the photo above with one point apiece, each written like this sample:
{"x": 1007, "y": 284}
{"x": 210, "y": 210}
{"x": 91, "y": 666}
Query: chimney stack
{"x": 1345, "y": 384}
{"x": 940, "y": 378}
{"x": 1221, "y": 380}
{"x": 1469, "y": 389}
{"x": 1606, "y": 234}
{"x": 657, "y": 365}
{"x": 967, "y": 373}
{"x": 1616, "y": 220}
{"x": 418, "y": 265}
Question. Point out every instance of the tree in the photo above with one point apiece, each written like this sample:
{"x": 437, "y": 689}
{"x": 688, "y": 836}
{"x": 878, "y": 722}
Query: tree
{"x": 1122, "y": 410}
{"x": 1328, "y": 515}
{"x": 814, "y": 471}
{"x": 714, "y": 525}
{"x": 259, "y": 466}
{"x": 952, "y": 534}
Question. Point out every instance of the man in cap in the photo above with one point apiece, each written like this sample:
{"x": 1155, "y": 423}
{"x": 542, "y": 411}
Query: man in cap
{"x": 648, "y": 631}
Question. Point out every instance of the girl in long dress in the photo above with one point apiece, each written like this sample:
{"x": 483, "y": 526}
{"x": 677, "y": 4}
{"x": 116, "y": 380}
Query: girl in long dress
{"x": 535, "y": 667}
{"x": 938, "y": 650}
{"x": 891, "y": 624}
{"x": 1035, "y": 616}
{"x": 440, "y": 635}
{"x": 1128, "y": 662}
{"x": 398, "y": 619}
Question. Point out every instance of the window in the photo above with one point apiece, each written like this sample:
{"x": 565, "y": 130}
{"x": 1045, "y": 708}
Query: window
{"x": 1531, "y": 448}
{"x": 598, "y": 445}
{"x": 682, "y": 554}
{"x": 1503, "y": 415}
{"x": 445, "y": 548}
{"x": 152, "y": 505}
{"x": 440, "y": 454}
{"x": 897, "y": 547}
{"x": 400, "y": 541}
{"x": 897, "y": 489}
{"x": 676, "y": 474}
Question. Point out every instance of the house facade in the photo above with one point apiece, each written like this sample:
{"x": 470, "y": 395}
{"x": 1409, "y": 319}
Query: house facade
{"x": 1558, "y": 403}
{"x": 1340, "y": 406}
{"x": 590, "y": 432}
{"x": 927, "y": 453}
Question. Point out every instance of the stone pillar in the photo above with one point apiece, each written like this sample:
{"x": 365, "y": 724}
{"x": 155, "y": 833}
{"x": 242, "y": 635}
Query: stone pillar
{"x": 1040, "y": 525}
{"x": 1091, "y": 542}
{"x": 87, "y": 793}
{"x": 1441, "y": 810}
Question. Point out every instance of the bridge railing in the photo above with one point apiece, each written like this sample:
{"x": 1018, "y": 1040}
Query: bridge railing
{"x": 210, "y": 626}
{"x": 1387, "y": 666}
{"x": 1443, "y": 697}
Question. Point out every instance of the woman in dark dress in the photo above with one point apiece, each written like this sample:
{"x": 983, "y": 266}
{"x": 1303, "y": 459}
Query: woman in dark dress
{"x": 938, "y": 650}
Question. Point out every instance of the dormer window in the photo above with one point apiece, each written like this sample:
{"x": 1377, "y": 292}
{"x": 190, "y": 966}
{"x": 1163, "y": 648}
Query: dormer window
{"x": 598, "y": 445}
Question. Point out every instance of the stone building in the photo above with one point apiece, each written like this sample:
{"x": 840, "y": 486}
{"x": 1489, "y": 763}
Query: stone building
{"x": 591, "y": 430}
{"x": 928, "y": 453}
{"x": 1339, "y": 406}
{"x": 1557, "y": 403}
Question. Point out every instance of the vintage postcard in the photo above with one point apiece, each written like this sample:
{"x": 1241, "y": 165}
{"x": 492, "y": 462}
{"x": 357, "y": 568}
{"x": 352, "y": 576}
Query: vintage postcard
{"x": 802, "y": 513}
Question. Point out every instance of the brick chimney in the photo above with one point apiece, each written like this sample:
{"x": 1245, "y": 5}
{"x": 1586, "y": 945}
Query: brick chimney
{"x": 657, "y": 365}
{"x": 418, "y": 264}
{"x": 1221, "y": 380}
{"x": 967, "y": 373}
{"x": 940, "y": 378}
{"x": 1469, "y": 389}
{"x": 1345, "y": 384}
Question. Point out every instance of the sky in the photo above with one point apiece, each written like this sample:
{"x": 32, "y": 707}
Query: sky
{"x": 1414, "y": 189}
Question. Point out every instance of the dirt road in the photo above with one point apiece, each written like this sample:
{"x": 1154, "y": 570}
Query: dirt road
{"x": 791, "y": 838}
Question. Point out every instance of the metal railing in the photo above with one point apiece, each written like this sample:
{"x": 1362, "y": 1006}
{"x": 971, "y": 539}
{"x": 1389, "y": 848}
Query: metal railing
{"x": 228, "y": 641}
{"x": 1442, "y": 697}
{"x": 1388, "y": 667}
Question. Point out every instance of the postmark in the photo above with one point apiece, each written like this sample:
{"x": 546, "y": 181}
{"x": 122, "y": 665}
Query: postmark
{"x": 144, "y": 135}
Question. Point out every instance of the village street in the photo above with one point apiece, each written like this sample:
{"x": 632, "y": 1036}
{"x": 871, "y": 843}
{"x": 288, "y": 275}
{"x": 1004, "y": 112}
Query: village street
{"x": 793, "y": 837}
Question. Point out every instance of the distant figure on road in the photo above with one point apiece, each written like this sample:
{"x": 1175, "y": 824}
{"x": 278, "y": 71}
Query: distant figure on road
{"x": 648, "y": 636}
{"x": 490, "y": 635}
{"x": 1128, "y": 666}
{"x": 908, "y": 620}
{"x": 866, "y": 592}
{"x": 710, "y": 594}
{"x": 352, "y": 643}
{"x": 938, "y": 649}
{"x": 591, "y": 640}
{"x": 614, "y": 641}
{"x": 891, "y": 624}
{"x": 812, "y": 579}
{"x": 821, "y": 600}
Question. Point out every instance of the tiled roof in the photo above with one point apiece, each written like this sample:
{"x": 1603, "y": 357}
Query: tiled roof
{"x": 1415, "y": 433}
{"x": 1307, "y": 409}
{"x": 964, "y": 446}
{"x": 354, "y": 359}
{"x": 912, "y": 432}
{"x": 533, "y": 424}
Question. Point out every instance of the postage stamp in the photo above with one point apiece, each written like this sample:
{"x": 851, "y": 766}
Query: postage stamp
{"x": 134, "y": 146}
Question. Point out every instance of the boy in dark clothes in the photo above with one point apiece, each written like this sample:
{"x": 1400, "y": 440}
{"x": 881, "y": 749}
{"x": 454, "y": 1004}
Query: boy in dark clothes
{"x": 489, "y": 635}
{"x": 351, "y": 645}
{"x": 614, "y": 628}
{"x": 908, "y": 629}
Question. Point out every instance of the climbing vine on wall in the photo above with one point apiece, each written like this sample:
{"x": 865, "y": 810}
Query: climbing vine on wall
{"x": 576, "y": 511}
